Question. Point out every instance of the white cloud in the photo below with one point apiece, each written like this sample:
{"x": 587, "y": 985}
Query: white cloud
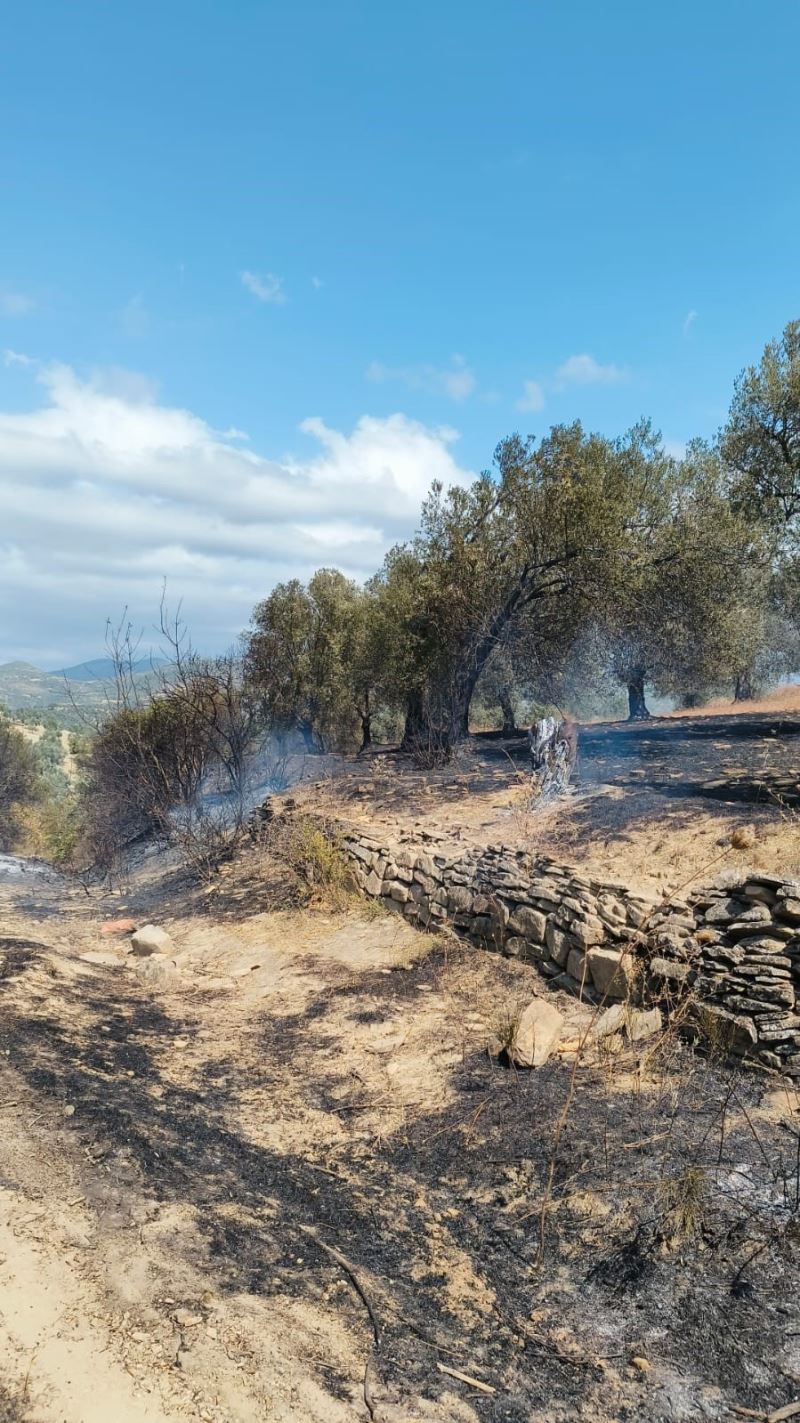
{"x": 104, "y": 490}
{"x": 688, "y": 321}
{"x": 17, "y": 358}
{"x": 532, "y": 398}
{"x": 267, "y": 288}
{"x": 456, "y": 381}
{"x": 317, "y": 283}
{"x": 585, "y": 370}
{"x": 13, "y": 303}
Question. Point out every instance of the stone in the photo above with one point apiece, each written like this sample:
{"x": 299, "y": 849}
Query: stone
{"x": 151, "y": 939}
{"x": 428, "y": 883}
{"x": 668, "y": 971}
{"x": 612, "y": 972}
{"x": 608, "y": 904}
{"x": 374, "y": 883}
{"x": 528, "y": 924}
{"x": 730, "y": 1031}
{"x": 514, "y": 947}
{"x": 759, "y": 891}
{"x": 115, "y": 928}
{"x": 459, "y": 899}
{"x": 558, "y": 943}
{"x": 577, "y": 967}
{"x": 756, "y": 914}
{"x": 638, "y": 914}
{"x": 424, "y": 864}
{"x": 536, "y": 1034}
{"x": 725, "y": 911}
{"x": 398, "y": 892}
{"x": 634, "y": 1023}
{"x": 789, "y": 909}
{"x": 765, "y": 944}
{"x": 588, "y": 931}
{"x": 158, "y": 971}
{"x": 362, "y": 853}
{"x": 484, "y": 929}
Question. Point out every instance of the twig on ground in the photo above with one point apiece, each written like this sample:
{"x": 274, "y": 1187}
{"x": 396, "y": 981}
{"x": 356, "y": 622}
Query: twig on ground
{"x": 465, "y": 1378}
{"x": 351, "y": 1271}
{"x": 790, "y": 1410}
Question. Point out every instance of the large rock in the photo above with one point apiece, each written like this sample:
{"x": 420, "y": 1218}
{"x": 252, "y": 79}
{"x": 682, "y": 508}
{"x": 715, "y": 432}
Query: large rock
{"x": 157, "y": 971}
{"x": 612, "y": 972}
{"x": 536, "y": 1034}
{"x": 528, "y": 924}
{"x": 151, "y": 939}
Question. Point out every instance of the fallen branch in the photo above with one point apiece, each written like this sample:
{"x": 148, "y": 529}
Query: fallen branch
{"x": 465, "y": 1378}
{"x": 351, "y": 1271}
{"x": 790, "y": 1410}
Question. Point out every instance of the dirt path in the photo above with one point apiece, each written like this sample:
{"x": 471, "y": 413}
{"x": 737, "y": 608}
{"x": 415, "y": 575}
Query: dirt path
{"x": 208, "y": 1165}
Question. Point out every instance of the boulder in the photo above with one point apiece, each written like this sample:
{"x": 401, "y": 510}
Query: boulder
{"x": 536, "y": 1034}
{"x": 158, "y": 971}
{"x": 151, "y": 939}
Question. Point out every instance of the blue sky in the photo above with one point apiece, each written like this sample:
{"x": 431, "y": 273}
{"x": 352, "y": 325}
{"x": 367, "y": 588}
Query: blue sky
{"x": 373, "y": 240}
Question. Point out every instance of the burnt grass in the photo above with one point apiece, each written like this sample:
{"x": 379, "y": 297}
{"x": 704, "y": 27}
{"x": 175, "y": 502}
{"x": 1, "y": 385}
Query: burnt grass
{"x": 664, "y": 1224}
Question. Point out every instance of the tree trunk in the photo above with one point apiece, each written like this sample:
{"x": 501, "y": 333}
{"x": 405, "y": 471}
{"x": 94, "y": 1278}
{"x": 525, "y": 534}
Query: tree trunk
{"x": 637, "y": 706}
{"x": 507, "y": 708}
{"x": 309, "y": 738}
{"x": 366, "y": 731}
{"x": 744, "y": 690}
{"x": 414, "y": 727}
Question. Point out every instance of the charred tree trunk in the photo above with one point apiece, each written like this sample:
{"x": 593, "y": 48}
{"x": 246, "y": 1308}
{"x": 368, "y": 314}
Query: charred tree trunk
{"x": 507, "y": 708}
{"x": 744, "y": 690}
{"x": 310, "y": 738}
{"x": 637, "y": 706}
{"x": 414, "y": 727}
{"x": 365, "y": 715}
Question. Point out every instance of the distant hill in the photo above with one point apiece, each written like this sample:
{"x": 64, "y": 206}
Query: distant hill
{"x": 87, "y": 685}
{"x": 23, "y": 685}
{"x": 101, "y": 669}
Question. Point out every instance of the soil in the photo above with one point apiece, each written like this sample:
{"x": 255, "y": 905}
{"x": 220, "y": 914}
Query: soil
{"x": 283, "y": 1177}
{"x": 283, "y": 1173}
{"x": 658, "y": 804}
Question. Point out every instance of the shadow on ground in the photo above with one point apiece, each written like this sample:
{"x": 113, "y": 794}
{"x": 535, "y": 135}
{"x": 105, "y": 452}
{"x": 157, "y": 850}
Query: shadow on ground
{"x": 663, "y": 1223}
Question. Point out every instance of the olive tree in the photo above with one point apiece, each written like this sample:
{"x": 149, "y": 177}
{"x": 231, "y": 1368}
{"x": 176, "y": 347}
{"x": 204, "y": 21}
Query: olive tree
{"x": 553, "y": 528}
{"x": 761, "y": 440}
{"x": 309, "y": 655}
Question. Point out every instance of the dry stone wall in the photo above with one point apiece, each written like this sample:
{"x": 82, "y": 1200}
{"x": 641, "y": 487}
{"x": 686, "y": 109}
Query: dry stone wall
{"x": 727, "y": 956}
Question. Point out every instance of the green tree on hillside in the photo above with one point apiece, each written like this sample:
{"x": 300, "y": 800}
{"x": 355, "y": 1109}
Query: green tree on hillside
{"x": 554, "y": 528}
{"x": 310, "y": 654}
{"x": 692, "y": 592}
{"x": 19, "y": 780}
